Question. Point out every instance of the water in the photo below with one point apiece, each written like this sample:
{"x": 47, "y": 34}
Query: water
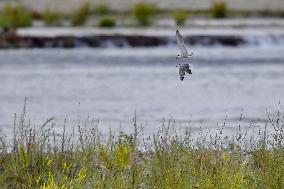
{"x": 112, "y": 84}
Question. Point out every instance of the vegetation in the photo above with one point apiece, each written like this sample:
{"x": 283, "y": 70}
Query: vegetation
{"x": 107, "y": 22}
{"x": 15, "y": 16}
{"x": 143, "y": 13}
{"x": 51, "y": 18}
{"x": 219, "y": 10}
{"x": 102, "y": 9}
{"x": 80, "y": 16}
{"x": 180, "y": 17}
{"x": 82, "y": 158}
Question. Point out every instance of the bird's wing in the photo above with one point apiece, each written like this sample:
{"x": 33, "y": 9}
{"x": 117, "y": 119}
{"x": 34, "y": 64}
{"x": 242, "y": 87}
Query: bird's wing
{"x": 180, "y": 43}
{"x": 186, "y": 68}
{"x": 181, "y": 72}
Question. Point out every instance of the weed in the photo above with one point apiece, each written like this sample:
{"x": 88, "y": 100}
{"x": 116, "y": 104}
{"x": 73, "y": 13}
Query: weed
{"x": 107, "y": 22}
{"x": 42, "y": 158}
{"x": 143, "y": 13}
{"x": 180, "y": 17}
{"x": 102, "y": 9}
{"x": 51, "y": 18}
{"x": 15, "y": 16}
{"x": 219, "y": 10}
{"x": 80, "y": 15}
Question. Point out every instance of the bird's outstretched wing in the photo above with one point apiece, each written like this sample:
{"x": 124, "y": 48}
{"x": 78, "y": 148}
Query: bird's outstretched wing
{"x": 180, "y": 43}
{"x": 181, "y": 72}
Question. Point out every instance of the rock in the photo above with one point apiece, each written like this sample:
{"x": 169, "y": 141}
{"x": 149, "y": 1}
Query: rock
{"x": 12, "y": 40}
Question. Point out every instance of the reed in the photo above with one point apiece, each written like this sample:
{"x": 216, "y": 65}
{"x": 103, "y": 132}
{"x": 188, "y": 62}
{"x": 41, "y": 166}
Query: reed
{"x": 40, "y": 157}
{"x": 15, "y": 17}
{"x": 219, "y": 9}
{"x": 80, "y": 15}
{"x": 180, "y": 17}
{"x": 51, "y": 18}
{"x": 143, "y": 13}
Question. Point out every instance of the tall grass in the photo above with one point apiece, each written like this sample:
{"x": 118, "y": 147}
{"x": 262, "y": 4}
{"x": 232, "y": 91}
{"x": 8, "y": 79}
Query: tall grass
{"x": 50, "y": 17}
{"x": 143, "y": 12}
{"x": 80, "y": 15}
{"x": 39, "y": 157}
{"x": 180, "y": 17}
{"x": 219, "y": 9}
{"x": 15, "y": 16}
{"x": 102, "y": 9}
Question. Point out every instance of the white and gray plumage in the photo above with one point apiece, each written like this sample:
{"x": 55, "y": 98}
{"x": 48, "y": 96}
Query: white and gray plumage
{"x": 182, "y": 69}
{"x": 181, "y": 45}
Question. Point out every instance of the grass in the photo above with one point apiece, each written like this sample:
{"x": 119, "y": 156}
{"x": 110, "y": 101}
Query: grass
{"x": 143, "y": 12}
{"x": 15, "y": 16}
{"x": 219, "y": 9}
{"x": 102, "y": 9}
{"x": 51, "y": 18}
{"x": 39, "y": 157}
{"x": 79, "y": 17}
{"x": 107, "y": 21}
{"x": 180, "y": 17}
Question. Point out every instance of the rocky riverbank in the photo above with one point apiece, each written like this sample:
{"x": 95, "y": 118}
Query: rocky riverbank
{"x": 136, "y": 37}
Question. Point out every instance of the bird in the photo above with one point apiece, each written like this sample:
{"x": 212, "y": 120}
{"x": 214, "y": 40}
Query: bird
{"x": 182, "y": 69}
{"x": 181, "y": 45}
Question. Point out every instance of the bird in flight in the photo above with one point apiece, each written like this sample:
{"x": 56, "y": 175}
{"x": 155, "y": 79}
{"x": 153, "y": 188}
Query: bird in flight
{"x": 182, "y": 69}
{"x": 181, "y": 45}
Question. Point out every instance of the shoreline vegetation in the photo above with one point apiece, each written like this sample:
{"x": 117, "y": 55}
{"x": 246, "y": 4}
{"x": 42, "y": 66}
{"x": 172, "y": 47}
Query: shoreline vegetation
{"x": 41, "y": 157}
{"x": 140, "y": 16}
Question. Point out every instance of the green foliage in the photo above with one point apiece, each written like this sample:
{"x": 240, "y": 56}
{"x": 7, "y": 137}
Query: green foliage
{"x": 42, "y": 158}
{"x": 143, "y": 13}
{"x": 219, "y": 10}
{"x": 15, "y": 16}
{"x": 51, "y": 18}
{"x": 102, "y": 9}
{"x": 107, "y": 22}
{"x": 180, "y": 17}
{"x": 80, "y": 15}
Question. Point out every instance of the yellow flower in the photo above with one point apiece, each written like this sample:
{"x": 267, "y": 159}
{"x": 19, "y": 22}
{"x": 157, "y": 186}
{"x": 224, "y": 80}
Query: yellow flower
{"x": 83, "y": 173}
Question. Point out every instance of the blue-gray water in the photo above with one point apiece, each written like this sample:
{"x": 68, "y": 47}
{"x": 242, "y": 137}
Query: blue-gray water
{"x": 111, "y": 84}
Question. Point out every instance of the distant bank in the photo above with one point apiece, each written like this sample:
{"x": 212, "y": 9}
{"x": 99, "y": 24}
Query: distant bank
{"x": 124, "y": 5}
{"x": 138, "y": 37}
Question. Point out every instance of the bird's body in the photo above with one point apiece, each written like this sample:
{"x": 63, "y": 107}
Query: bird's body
{"x": 182, "y": 69}
{"x": 181, "y": 45}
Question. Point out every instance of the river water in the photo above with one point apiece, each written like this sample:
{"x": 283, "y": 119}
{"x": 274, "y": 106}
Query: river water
{"x": 111, "y": 84}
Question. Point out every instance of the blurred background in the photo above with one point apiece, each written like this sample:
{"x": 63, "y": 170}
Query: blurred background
{"x": 105, "y": 61}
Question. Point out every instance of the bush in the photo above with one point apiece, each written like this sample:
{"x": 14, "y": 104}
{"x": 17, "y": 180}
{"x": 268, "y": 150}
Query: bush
{"x": 50, "y": 18}
{"x": 15, "y": 16}
{"x": 80, "y": 16}
{"x": 219, "y": 10}
{"x": 180, "y": 17}
{"x": 101, "y": 9}
{"x": 143, "y": 13}
{"x": 107, "y": 22}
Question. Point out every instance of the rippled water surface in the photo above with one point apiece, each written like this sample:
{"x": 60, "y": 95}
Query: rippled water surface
{"x": 111, "y": 84}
